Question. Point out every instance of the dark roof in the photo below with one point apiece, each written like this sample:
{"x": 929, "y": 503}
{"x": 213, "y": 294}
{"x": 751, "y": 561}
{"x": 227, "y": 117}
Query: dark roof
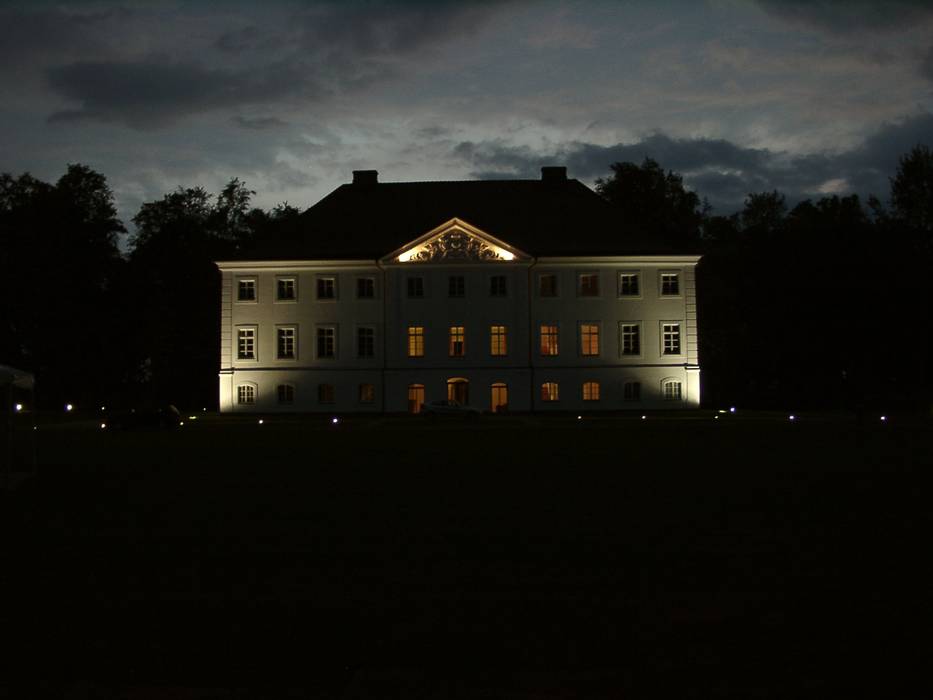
{"x": 368, "y": 220}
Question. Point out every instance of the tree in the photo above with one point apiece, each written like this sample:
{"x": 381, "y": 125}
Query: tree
{"x": 912, "y": 191}
{"x": 764, "y": 213}
{"x": 654, "y": 201}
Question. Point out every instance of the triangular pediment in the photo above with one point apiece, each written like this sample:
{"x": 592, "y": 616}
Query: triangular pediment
{"x": 455, "y": 241}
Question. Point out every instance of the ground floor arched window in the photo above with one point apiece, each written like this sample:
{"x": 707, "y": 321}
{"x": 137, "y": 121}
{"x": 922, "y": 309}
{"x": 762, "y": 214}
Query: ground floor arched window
{"x": 458, "y": 389}
{"x": 499, "y": 399}
{"x": 415, "y": 398}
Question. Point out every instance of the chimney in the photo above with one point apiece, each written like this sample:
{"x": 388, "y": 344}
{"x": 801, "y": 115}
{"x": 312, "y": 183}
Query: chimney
{"x": 365, "y": 177}
{"x": 553, "y": 173}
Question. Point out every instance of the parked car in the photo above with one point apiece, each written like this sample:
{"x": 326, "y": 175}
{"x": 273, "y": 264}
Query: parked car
{"x": 449, "y": 409}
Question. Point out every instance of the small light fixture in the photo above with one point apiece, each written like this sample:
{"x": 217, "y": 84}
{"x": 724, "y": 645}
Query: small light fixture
{"x": 192, "y": 417}
{"x": 103, "y": 426}
{"x": 884, "y": 419}
{"x": 643, "y": 417}
{"x": 717, "y": 417}
{"x": 18, "y": 407}
{"x": 732, "y": 409}
{"x": 791, "y": 417}
{"x": 260, "y": 421}
{"x": 203, "y": 410}
{"x": 103, "y": 408}
{"x": 579, "y": 417}
{"x": 722, "y": 410}
{"x": 68, "y": 408}
{"x": 335, "y": 420}
{"x": 181, "y": 423}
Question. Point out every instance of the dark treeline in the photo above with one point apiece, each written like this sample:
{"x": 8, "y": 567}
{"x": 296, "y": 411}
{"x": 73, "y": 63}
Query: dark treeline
{"x": 825, "y": 304}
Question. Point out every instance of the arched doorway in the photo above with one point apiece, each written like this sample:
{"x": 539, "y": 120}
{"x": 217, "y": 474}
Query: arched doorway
{"x": 499, "y": 400}
{"x": 415, "y": 397}
{"x": 458, "y": 389}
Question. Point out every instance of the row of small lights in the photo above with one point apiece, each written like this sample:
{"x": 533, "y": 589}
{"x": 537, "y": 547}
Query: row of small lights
{"x": 70, "y": 407}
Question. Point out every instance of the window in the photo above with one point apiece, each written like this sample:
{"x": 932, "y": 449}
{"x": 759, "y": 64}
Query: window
{"x": 246, "y": 343}
{"x": 365, "y": 288}
{"x": 589, "y": 284}
{"x": 549, "y": 391}
{"x": 457, "y": 341}
{"x": 415, "y": 287}
{"x": 367, "y": 393}
{"x": 631, "y": 391}
{"x": 246, "y": 290}
{"x": 285, "y": 337}
{"x": 670, "y": 338}
{"x": 498, "y": 342}
{"x": 547, "y": 285}
{"x": 628, "y": 284}
{"x": 416, "y": 341}
{"x": 285, "y": 289}
{"x": 286, "y": 393}
{"x": 673, "y": 390}
{"x": 589, "y": 339}
{"x": 629, "y": 339}
{"x": 326, "y": 288}
{"x": 246, "y": 394}
{"x": 365, "y": 342}
{"x": 497, "y": 286}
{"x": 326, "y": 342}
{"x": 670, "y": 284}
{"x": 326, "y": 393}
{"x": 456, "y": 286}
{"x": 499, "y": 399}
{"x": 591, "y": 391}
{"x": 549, "y": 344}
{"x": 415, "y": 398}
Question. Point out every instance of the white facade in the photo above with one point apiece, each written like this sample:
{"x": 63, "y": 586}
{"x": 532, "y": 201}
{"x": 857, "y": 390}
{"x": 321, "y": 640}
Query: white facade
{"x": 461, "y": 314}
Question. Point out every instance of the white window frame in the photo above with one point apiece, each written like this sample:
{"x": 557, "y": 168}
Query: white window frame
{"x": 317, "y": 348}
{"x": 359, "y": 278}
{"x": 254, "y": 328}
{"x": 247, "y": 385}
{"x": 317, "y": 288}
{"x": 680, "y": 338}
{"x": 638, "y": 327}
{"x": 286, "y": 278}
{"x": 236, "y": 292}
{"x": 672, "y": 380}
{"x": 550, "y": 324}
{"x": 287, "y": 327}
{"x": 680, "y": 284}
{"x": 638, "y": 276}
{"x": 599, "y": 284}
{"x": 599, "y": 338}
{"x": 504, "y": 336}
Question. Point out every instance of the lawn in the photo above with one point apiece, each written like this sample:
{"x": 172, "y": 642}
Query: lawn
{"x": 741, "y": 556}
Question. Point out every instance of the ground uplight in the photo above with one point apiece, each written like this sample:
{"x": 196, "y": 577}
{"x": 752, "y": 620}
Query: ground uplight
{"x": 335, "y": 420}
{"x": 884, "y": 419}
{"x": 261, "y": 421}
{"x": 732, "y": 409}
{"x": 69, "y": 408}
{"x": 103, "y": 426}
{"x": 791, "y": 417}
{"x": 18, "y": 407}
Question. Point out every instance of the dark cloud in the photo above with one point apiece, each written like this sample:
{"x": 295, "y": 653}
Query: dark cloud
{"x": 303, "y": 55}
{"x": 926, "y": 66}
{"x": 717, "y": 169}
{"x": 258, "y": 123}
{"x": 850, "y": 16}
{"x": 155, "y": 92}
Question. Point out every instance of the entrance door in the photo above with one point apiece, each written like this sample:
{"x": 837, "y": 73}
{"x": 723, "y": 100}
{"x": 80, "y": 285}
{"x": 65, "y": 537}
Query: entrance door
{"x": 415, "y": 397}
{"x": 458, "y": 390}
{"x": 500, "y": 397}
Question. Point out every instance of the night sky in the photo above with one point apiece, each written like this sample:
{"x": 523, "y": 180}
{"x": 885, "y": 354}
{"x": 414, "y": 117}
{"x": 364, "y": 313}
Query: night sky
{"x": 810, "y": 98}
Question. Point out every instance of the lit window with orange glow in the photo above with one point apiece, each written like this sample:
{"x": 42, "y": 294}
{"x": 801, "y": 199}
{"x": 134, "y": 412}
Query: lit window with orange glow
{"x": 457, "y": 341}
{"x": 589, "y": 339}
{"x": 416, "y": 341}
{"x": 498, "y": 341}
{"x": 591, "y": 391}
{"x": 549, "y": 391}
{"x": 549, "y": 340}
{"x": 367, "y": 393}
{"x": 415, "y": 398}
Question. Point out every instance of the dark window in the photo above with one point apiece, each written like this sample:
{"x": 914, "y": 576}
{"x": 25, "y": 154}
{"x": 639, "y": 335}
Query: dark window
{"x": 631, "y": 391}
{"x": 286, "y": 393}
{"x": 589, "y": 284}
{"x": 366, "y": 342}
{"x": 670, "y": 284}
{"x": 326, "y": 288}
{"x": 415, "y": 287}
{"x": 547, "y": 285}
{"x": 497, "y": 286}
{"x": 285, "y": 289}
{"x": 325, "y": 393}
{"x": 326, "y": 342}
{"x": 246, "y": 290}
{"x": 455, "y": 286}
{"x": 628, "y": 284}
{"x": 365, "y": 288}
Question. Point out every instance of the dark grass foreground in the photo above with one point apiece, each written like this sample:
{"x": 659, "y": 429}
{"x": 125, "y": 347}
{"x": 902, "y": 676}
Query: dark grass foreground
{"x": 513, "y": 558}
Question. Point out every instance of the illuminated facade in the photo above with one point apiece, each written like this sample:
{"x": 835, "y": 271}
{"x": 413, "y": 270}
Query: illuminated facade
{"x": 527, "y": 295}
